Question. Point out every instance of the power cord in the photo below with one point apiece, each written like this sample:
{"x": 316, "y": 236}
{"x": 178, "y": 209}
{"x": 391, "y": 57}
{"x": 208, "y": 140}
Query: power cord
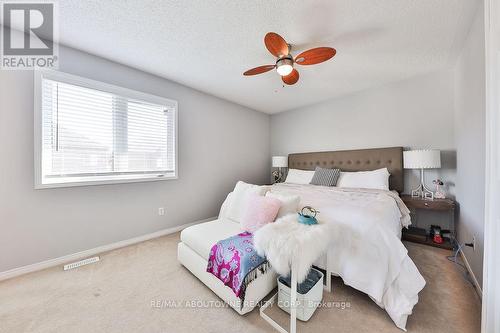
{"x": 453, "y": 258}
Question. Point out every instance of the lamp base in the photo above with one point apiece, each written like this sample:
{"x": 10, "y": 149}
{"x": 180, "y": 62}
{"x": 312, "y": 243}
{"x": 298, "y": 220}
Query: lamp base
{"x": 422, "y": 191}
{"x": 278, "y": 176}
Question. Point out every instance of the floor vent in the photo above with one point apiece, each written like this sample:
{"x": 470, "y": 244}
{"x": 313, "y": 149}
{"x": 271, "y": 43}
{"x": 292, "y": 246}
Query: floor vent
{"x": 81, "y": 263}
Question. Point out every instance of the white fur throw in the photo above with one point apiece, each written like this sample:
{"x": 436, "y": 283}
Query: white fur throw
{"x": 287, "y": 239}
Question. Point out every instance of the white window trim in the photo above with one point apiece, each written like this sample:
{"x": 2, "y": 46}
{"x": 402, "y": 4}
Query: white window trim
{"x": 39, "y": 75}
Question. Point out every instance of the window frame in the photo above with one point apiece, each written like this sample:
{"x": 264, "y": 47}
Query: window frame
{"x": 39, "y": 75}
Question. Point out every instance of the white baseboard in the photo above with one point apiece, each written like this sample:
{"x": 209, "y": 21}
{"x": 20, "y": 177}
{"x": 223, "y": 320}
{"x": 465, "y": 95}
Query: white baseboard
{"x": 471, "y": 273}
{"x": 91, "y": 252}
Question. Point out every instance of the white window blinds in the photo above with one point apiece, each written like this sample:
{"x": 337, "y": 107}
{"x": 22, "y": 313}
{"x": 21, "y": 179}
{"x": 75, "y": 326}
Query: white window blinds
{"x": 104, "y": 135}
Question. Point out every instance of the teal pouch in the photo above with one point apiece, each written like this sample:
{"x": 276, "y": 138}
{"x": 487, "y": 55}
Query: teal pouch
{"x": 307, "y": 215}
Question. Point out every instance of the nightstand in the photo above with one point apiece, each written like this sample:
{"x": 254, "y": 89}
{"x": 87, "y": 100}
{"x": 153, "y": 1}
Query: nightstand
{"x": 415, "y": 204}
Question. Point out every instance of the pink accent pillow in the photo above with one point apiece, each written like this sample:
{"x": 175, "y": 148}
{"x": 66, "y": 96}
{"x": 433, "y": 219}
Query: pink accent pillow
{"x": 260, "y": 210}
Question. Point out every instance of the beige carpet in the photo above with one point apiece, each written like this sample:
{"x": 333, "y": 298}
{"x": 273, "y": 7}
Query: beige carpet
{"x": 116, "y": 295}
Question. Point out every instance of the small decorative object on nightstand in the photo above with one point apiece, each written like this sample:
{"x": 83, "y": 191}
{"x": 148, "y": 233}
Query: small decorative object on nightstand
{"x": 419, "y": 235}
{"x": 279, "y": 162}
{"x": 439, "y": 190}
{"x": 422, "y": 159}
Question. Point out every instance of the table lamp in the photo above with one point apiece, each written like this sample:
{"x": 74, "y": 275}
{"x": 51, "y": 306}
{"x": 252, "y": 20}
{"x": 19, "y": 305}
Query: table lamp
{"x": 422, "y": 159}
{"x": 279, "y": 162}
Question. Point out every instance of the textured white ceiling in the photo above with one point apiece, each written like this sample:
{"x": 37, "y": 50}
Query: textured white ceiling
{"x": 208, "y": 44}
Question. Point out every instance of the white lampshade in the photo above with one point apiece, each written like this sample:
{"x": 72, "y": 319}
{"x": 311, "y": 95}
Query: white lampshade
{"x": 422, "y": 159}
{"x": 280, "y": 161}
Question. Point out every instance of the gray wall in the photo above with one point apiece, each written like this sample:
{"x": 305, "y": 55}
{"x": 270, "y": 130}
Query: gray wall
{"x": 416, "y": 113}
{"x": 470, "y": 127}
{"x": 219, "y": 143}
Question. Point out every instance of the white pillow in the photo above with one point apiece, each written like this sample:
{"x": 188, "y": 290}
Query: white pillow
{"x": 238, "y": 200}
{"x": 225, "y": 206}
{"x": 296, "y": 176}
{"x": 376, "y": 179}
{"x": 289, "y": 203}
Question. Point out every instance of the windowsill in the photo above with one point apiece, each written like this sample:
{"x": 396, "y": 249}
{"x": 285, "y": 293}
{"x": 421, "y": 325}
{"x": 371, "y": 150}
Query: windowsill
{"x": 100, "y": 180}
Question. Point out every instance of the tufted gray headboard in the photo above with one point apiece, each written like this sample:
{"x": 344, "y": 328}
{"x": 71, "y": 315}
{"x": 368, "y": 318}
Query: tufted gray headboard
{"x": 355, "y": 160}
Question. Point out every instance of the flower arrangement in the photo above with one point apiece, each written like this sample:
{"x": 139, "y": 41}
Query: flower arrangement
{"x": 439, "y": 191}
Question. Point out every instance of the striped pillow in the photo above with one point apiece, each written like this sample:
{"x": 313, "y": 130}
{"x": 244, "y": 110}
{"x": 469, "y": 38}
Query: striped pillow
{"x": 325, "y": 177}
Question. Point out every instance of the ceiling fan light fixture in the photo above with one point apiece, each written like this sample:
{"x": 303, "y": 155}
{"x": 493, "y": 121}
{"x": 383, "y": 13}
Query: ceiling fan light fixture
{"x": 280, "y": 49}
{"x": 284, "y": 66}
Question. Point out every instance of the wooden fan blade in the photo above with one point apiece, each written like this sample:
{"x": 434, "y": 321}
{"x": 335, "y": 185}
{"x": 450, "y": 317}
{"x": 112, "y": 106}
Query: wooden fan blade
{"x": 315, "y": 56}
{"x": 291, "y": 78}
{"x": 259, "y": 70}
{"x": 276, "y": 44}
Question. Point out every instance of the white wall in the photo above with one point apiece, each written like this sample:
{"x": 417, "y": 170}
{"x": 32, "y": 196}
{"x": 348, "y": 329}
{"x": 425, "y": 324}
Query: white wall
{"x": 470, "y": 127}
{"x": 416, "y": 113}
{"x": 219, "y": 143}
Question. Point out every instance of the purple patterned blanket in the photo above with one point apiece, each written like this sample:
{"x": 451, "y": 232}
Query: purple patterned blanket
{"x": 235, "y": 262}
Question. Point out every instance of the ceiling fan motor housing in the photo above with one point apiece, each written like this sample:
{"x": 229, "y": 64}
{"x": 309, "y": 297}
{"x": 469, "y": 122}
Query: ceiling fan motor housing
{"x": 288, "y": 60}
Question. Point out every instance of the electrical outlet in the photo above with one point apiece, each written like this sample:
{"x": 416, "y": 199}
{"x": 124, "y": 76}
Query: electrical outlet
{"x": 161, "y": 211}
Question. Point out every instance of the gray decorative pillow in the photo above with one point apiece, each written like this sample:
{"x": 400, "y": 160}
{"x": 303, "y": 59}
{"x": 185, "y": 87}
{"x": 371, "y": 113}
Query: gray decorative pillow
{"x": 325, "y": 177}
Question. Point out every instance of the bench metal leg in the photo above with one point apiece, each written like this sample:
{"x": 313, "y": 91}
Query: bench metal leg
{"x": 293, "y": 306}
{"x": 293, "y": 300}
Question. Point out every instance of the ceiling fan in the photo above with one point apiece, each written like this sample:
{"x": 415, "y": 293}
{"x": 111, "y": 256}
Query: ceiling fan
{"x": 285, "y": 61}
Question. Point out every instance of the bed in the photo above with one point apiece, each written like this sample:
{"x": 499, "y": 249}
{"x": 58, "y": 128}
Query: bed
{"x": 366, "y": 250}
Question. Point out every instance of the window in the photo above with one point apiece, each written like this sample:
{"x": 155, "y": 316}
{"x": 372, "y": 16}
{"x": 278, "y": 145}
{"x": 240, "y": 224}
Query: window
{"x": 87, "y": 132}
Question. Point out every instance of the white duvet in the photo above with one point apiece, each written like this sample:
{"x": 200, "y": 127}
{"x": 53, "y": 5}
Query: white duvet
{"x": 366, "y": 250}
